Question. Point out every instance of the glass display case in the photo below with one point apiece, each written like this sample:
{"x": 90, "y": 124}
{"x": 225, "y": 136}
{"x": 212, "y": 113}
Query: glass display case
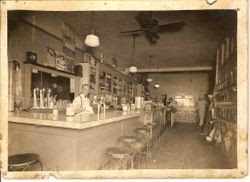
{"x": 115, "y": 85}
{"x": 102, "y": 82}
{"x": 119, "y": 87}
{"x": 109, "y": 83}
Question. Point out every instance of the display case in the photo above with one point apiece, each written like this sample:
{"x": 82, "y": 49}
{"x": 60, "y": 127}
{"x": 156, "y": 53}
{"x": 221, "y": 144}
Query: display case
{"x": 40, "y": 77}
{"x": 225, "y": 97}
{"x": 115, "y": 85}
{"x": 89, "y": 76}
{"x": 88, "y": 71}
{"x": 109, "y": 83}
{"x": 120, "y": 87}
{"x": 102, "y": 82}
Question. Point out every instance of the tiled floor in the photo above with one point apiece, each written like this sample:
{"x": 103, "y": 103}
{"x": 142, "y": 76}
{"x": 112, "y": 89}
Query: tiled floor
{"x": 183, "y": 147}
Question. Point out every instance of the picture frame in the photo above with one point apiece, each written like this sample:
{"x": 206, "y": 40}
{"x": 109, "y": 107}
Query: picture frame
{"x": 223, "y": 50}
{"x": 51, "y": 57}
{"x": 227, "y": 48}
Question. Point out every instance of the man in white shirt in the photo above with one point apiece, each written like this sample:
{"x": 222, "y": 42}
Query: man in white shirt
{"x": 202, "y": 104}
{"x": 173, "y": 105}
{"x": 81, "y": 103}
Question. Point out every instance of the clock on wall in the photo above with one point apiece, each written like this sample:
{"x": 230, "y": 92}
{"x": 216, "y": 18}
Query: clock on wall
{"x": 31, "y": 57}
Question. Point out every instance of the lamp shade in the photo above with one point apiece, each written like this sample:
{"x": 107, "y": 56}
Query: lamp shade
{"x": 92, "y": 40}
{"x": 133, "y": 69}
{"x": 149, "y": 79}
{"x": 157, "y": 85}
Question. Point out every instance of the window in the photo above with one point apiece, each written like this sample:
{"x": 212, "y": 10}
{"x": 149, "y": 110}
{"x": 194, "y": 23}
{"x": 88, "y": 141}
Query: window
{"x": 186, "y": 100}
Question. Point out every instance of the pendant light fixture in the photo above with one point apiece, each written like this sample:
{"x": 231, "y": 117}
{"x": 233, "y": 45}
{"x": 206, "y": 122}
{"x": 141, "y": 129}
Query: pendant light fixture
{"x": 157, "y": 85}
{"x": 92, "y": 40}
{"x": 133, "y": 68}
{"x": 149, "y": 79}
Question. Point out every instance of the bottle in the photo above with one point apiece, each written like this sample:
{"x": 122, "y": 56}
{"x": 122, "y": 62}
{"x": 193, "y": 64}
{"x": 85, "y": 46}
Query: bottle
{"x": 94, "y": 104}
{"x": 55, "y": 111}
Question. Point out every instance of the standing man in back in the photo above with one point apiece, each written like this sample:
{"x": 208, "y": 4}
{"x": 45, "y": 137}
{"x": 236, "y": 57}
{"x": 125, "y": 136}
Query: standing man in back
{"x": 202, "y": 104}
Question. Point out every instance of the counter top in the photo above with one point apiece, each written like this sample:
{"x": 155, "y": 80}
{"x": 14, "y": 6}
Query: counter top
{"x": 72, "y": 122}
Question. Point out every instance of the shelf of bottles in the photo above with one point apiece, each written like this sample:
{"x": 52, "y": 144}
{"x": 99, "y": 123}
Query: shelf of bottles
{"x": 119, "y": 87}
{"x": 226, "y": 87}
{"x": 115, "y": 85}
{"x": 109, "y": 83}
{"x": 102, "y": 82}
{"x": 105, "y": 85}
{"x": 124, "y": 88}
{"x": 92, "y": 78}
{"x": 134, "y": 90}
{"x": 130, "y": 88}
{"x": 225, "y": 96}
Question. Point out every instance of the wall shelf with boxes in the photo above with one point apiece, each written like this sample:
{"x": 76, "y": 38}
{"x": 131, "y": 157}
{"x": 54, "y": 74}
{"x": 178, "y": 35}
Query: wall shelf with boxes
{"x": 51, "y": 70}
{"x": 104, "y": 79}
{"x": 225, "y": 97}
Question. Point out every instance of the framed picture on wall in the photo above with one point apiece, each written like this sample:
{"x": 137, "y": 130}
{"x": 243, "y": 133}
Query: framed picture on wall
{"x": 227, "y": 48}
{"x": 51, "y": 57}
{"x": 223, "y": 50}
{"x": 60, "y": 61}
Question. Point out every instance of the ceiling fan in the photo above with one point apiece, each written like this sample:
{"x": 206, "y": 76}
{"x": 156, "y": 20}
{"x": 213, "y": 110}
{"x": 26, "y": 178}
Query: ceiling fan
{"x": 151, "y": 26}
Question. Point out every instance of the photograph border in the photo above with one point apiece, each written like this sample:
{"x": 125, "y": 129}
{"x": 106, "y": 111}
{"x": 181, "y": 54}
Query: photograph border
{"x": 241, "y": 6}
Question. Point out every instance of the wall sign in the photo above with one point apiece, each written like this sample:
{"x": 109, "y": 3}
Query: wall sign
{"x": 51, "y": 57}
{"x": 60, "y": 61}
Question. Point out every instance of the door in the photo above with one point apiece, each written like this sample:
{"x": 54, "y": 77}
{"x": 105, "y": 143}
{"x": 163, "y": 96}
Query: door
{"x": 186, "y": 109}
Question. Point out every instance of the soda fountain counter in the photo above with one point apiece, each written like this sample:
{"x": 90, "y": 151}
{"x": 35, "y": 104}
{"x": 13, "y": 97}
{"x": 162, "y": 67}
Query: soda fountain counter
{"x": 70, "y": 143}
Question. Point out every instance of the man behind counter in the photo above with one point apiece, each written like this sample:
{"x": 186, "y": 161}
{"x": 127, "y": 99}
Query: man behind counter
{"x": 82, "y": 103}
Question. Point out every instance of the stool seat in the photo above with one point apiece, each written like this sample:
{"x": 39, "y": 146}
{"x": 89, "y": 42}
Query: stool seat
{"x": 22, "y": 161}
{"x": 128, "y": 139}
{"x": 137, "y": 146}
{"x": 149, "y": 126}
{"x": 142, "y": 130}
{"x": 118, "y": 152}
{"x": 154, "y": 124}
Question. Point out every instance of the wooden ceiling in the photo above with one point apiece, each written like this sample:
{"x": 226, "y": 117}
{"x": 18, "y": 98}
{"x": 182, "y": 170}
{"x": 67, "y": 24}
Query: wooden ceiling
{"x": 193, "y": 46}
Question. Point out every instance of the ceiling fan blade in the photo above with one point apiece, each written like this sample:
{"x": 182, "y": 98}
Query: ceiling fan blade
{"x": 170, "y": 27}
{"x": 133, "y": 31}
{"x": 144, "y": 18}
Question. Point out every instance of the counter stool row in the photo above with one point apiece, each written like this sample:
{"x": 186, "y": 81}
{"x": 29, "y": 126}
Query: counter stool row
{"x": 143, "y": 145}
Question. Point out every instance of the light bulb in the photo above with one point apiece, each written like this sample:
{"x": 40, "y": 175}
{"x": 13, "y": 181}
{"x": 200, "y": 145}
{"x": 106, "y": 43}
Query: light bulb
{"x": 157, "y": 85}
{"x": 149, "y": 79}
{"x": 133, "y": 69}
{"x": 92, "y": 40}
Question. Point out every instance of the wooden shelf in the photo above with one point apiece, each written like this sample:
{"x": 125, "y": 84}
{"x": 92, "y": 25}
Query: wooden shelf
{"x": 226, "y": 120}
{"x": 52, "y": 70}
{"x": 224, "y": 103}
{"x": 232, "y": 86}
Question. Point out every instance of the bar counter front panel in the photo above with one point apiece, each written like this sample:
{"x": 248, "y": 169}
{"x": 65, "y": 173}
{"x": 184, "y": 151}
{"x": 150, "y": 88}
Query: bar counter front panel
{"x": 69, "y": 143}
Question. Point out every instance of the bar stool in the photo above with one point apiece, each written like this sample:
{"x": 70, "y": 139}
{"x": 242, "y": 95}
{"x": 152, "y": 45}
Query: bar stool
{"x": 120, "y": 154}
{"x": 157, "y": 133}
{"x": 143, "y": 135}
{"x": 128, "y": 142}
{"x": 21, "y": 162}
{"x": 153, "y": 144}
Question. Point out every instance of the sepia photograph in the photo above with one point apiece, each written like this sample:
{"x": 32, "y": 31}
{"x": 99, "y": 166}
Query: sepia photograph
{"x": 108, "y": 92}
